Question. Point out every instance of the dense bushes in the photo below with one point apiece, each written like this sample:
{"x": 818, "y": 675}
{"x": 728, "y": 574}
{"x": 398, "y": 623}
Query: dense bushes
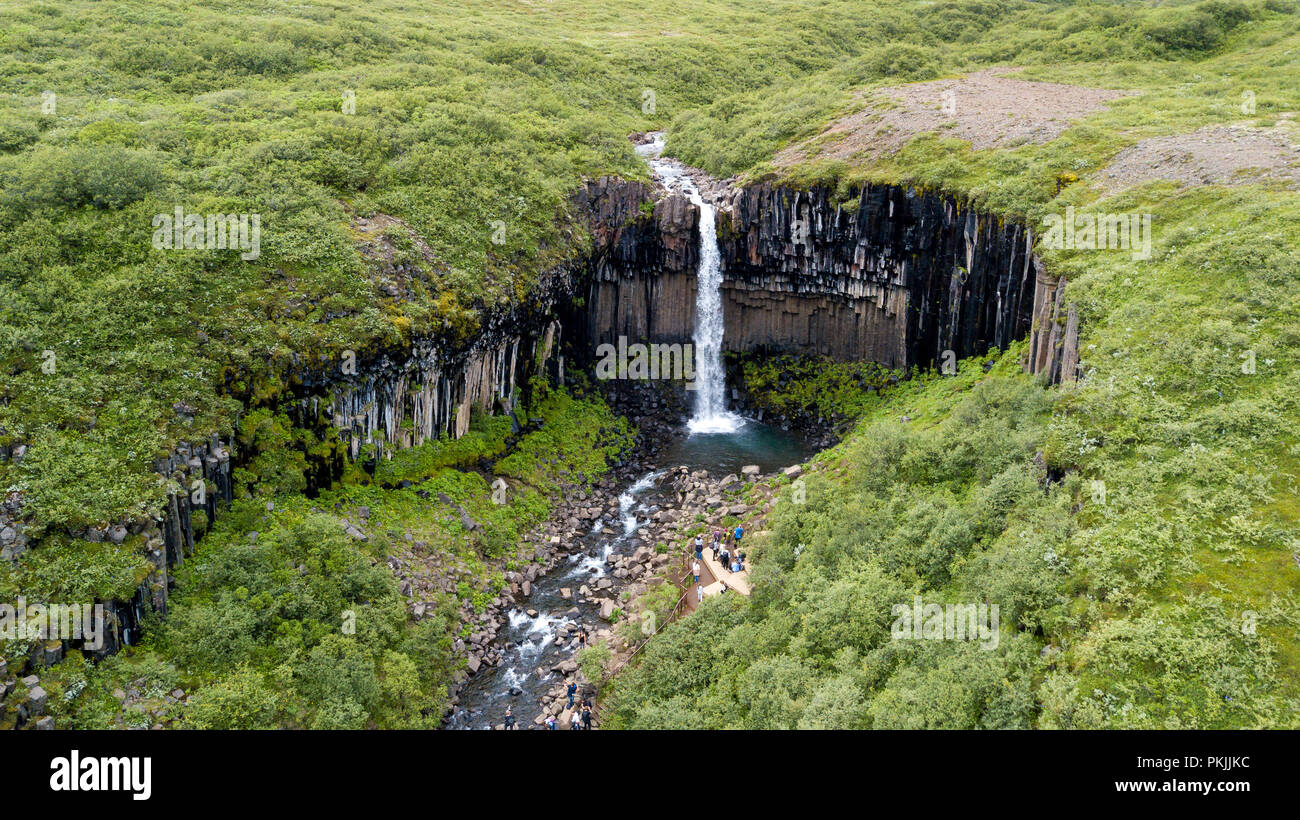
{"x": 289, "y": 615}
{"x": 101, "y": 176}
{"x": 1201, "y": 29}
{"x": 814, "y": 648}
{"x": 1135, "y": 540}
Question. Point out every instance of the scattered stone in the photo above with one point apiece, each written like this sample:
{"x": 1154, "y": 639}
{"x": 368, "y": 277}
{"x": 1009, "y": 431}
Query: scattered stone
{"x": 36, "y": 698}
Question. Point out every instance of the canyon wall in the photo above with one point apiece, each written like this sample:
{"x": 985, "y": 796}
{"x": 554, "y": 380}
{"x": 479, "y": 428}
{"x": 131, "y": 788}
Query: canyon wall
{"x": 399, "y": 398}
{"x": 642, "y": 283}
{"x": 387, "y": 399}
{"x": 891, "y": 275}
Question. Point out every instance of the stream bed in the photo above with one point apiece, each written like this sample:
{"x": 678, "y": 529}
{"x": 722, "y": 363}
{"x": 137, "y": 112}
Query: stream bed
{"x": 532, "y": 645}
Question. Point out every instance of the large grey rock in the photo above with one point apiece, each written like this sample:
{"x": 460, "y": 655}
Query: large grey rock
{"x": 465, "y": 521}
{"x": 36, "y": 699}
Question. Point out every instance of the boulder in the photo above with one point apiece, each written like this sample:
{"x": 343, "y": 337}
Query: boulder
{"x": 36, "y": 699}
{"x": 465, "y": 521}
{"x": 793, "y": 472}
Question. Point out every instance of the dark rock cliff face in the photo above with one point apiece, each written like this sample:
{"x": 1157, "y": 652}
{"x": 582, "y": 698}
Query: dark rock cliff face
{"x": 892, "y": 275}
{"x": 399, "y": 398}
{"x": 642, "y": 282}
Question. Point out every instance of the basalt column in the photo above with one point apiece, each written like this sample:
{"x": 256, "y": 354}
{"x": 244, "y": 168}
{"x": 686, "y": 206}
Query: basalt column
{"x": 643, "y": 269}
{"x": 889, "y": 275}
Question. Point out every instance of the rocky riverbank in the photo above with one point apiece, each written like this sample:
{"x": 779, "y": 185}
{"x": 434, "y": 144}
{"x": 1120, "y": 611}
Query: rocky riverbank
{"x": 588, "y": 577}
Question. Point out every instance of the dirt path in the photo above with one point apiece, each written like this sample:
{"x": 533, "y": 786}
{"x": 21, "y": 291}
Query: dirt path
{"x": 989, "y": 109}
{"x": 1214, "y": 155}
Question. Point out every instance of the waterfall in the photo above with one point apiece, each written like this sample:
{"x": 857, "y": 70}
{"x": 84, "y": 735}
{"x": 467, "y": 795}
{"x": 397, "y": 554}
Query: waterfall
{"x": 710, "y": 413}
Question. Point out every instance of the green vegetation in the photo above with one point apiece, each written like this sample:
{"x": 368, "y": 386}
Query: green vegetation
{"x": 466, "y": 115}
{"x": 1137, "y": 529}
{"x": 286, "y": 617}
{"x": 815, "y": 387}
{"x": 1165, "y": 595}
{"x": 1099, "y": 626}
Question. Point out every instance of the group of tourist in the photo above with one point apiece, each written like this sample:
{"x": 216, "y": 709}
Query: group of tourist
{"x": 726, "y": 548}
{"x": 580, "y": 717}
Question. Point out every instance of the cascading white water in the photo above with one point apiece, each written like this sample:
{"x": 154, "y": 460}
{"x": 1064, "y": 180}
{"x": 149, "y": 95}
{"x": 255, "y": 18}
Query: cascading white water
{"x": 710, "y": 414}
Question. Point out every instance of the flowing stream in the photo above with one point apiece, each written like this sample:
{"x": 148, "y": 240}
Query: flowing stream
{"x": 715, "y": 439}
{"x": 532, "y": 645}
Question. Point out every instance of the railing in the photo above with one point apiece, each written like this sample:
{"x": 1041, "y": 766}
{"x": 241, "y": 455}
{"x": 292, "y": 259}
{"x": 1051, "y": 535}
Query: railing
{"x": 671, "y": 616}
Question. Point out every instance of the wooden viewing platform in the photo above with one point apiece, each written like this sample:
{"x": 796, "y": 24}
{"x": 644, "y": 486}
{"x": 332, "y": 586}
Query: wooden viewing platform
{"x": 738, "y": 581}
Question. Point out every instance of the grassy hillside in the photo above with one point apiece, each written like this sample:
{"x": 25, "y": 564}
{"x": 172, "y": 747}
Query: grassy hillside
{"x": 466, "y": 114}
{"x": 473, "y": 122}
{"x": 1145, "y": 562}
{"x": 290, "y": 613}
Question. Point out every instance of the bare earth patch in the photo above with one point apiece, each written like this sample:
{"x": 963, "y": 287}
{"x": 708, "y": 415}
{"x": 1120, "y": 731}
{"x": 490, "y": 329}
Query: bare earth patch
{"x": 988, "y": 108}
{"x": 393, "y": 273}
{"x": 1214, "y": 155}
